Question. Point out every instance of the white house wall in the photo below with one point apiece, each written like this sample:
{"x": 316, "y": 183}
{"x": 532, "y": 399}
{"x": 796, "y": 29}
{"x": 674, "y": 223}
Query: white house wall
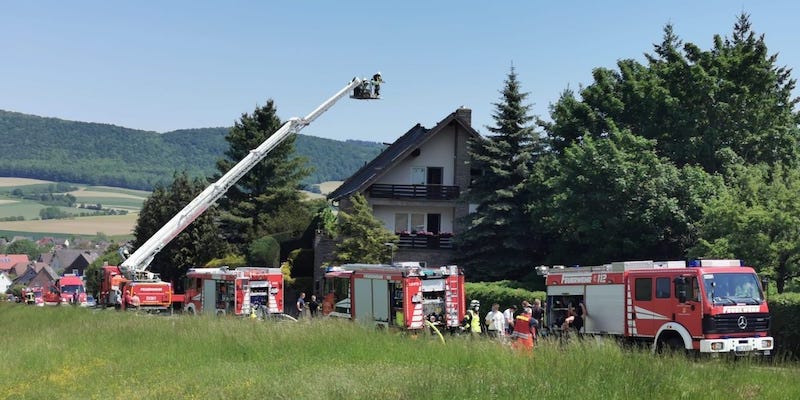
{"x": 386, "y": 215}
{"x": 439, "y": 151}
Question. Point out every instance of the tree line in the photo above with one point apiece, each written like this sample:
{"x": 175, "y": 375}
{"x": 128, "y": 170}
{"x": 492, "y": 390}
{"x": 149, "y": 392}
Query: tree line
{"x": 691, "y": 153}
{"x": 102, "y": 154}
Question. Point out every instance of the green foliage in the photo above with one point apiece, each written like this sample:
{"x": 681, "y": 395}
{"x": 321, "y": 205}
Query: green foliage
{"x": 326, "y": 221}
{"x": 16, "y": 290}
{"x": 196, "y": 245}
{"x": 93, "y": 275}
{"x": 229, "y": 260}
{"x": 496, "y": 243}
{"x": 785, "y": 329}
{"x": 364, "y": 236}
{"x": 53, "y": 213}
{"x": 264, "y": 251}
{"x": 702, "y": 107}
{"x": 24, "y": 246}
{"x": 101, "y": 154}
{"x": 265, "y": 201}
{"x": 489, "y": 293}
{"x": 613, "y": 198}
{"x": 756, "y": 219}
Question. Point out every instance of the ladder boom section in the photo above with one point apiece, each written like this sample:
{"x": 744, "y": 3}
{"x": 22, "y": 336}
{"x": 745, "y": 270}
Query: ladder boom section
{"x": 143, "y": 256}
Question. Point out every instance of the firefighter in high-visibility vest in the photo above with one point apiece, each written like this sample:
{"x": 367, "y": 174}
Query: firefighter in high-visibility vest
{"x": 472, "y": 319}
{"x": 524, "y": 331}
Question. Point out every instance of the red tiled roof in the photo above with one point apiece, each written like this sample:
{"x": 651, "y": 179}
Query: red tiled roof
{"x": 8, "y": 261}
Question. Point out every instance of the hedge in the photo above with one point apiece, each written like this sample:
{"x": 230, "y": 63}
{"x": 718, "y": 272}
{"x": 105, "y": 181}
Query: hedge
{"x": 489, "y": 293}
{"x": 785, "y": 329}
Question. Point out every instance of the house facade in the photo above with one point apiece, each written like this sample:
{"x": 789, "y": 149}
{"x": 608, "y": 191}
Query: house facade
{"x": 414, "y": 187}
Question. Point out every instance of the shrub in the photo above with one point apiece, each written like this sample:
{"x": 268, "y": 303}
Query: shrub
{"x": 785, "y": 311}
{"x": 489, "y": 293}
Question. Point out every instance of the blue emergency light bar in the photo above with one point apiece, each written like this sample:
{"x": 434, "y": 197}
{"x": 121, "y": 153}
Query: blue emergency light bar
{"x": 716, "y": 263}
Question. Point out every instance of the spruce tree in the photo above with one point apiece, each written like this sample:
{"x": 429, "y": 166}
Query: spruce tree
{"x": 265, "y": 201}
{"x": 497, "y": 242}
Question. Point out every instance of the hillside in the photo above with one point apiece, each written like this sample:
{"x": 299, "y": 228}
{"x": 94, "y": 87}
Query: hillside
{"x": 102, "y": 154}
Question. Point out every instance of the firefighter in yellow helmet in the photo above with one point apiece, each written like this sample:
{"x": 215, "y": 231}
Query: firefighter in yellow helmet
{"x": 472, "y": 319}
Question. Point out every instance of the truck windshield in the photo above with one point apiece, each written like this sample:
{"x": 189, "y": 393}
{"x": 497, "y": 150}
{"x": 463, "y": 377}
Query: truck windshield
{"x": 72, "y": 289}
{"x": 732, "y": 288}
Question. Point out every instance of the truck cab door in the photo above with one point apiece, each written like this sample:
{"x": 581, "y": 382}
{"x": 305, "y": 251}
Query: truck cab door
{"x": 688, "y": 307}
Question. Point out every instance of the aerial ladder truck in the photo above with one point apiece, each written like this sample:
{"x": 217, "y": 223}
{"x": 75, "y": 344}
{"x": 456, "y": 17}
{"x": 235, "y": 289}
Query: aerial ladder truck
{"x": 132, "y": 285}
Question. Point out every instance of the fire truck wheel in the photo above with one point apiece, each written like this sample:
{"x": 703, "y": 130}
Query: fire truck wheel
{"x": 671, "y": 344}
{"x": 190, "y": 310}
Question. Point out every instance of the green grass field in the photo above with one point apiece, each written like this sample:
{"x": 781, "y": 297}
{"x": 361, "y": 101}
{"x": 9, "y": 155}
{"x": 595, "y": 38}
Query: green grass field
{"x": 91, "y": 354}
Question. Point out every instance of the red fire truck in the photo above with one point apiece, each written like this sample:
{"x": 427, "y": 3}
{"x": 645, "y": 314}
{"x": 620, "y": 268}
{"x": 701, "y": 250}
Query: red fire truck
{"x": 401, "y": 295}
{"x": 72, "y": 290}
{"x": 145, "y": 295}
{"x": 711, "y": 306}
{"x": 223, "y": 291}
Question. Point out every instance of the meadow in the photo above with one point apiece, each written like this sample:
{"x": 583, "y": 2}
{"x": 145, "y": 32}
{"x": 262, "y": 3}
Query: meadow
{"x": 65, "y": 352}
{"x": 110, "y": 198}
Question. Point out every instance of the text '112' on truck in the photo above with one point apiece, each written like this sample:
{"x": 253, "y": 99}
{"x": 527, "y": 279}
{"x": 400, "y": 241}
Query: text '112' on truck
{"x": 709, "y": 306}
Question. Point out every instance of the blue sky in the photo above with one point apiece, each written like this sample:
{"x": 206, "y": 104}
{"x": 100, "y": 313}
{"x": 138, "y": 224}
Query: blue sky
{"x": 187, "y": 64}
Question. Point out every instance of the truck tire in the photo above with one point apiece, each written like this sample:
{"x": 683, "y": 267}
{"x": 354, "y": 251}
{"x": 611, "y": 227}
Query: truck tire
{"x": 670, "y": 344}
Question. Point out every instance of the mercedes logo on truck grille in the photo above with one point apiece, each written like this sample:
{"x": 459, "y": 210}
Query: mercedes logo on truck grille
{"x": 742, "y": 322}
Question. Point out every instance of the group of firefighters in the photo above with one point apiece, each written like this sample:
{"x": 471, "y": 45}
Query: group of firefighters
{"x": 520, "y": 328}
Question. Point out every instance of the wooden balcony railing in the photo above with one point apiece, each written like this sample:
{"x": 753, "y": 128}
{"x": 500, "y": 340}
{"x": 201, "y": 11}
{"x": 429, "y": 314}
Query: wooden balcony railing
{"x": 428, "y": 192}
{"x": 425, "y": 241}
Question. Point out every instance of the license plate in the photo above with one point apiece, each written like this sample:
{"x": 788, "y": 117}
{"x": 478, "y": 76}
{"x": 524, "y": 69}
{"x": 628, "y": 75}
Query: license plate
{"x": 150, "y": 298}
{"x": 744, "y": 348}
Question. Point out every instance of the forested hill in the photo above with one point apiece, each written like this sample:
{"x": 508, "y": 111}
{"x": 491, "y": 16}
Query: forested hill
{"x": 103, "y": 154}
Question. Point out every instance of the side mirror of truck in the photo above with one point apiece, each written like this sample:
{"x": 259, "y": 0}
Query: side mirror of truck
{"x": 680, "y": 288}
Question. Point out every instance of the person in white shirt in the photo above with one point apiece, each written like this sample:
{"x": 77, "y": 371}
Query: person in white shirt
{"x": 508, "y": 314}
{"x": 495, "y": 322}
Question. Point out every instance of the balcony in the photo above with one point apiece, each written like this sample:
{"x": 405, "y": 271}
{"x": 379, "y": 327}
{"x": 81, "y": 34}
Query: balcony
{"x": 426, "y": 192}
{"x": 425, "y": 240}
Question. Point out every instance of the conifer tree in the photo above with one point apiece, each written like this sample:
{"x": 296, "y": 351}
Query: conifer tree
{"x": 265, "y": 201}
{"x": 364, "y": 236}
{"x": 497, "y": 243}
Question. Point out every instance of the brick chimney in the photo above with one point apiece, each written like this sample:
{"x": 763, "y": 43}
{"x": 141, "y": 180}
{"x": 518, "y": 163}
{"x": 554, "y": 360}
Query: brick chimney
{"x": 465, "y": 115}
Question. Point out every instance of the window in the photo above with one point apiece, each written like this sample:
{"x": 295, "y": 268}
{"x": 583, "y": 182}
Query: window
{"x": 409, "y": 222}
{"x": 644, "y": 289}
{"x": 435, "y": 175}
{"x": 419, "y": 175}
{"x": 401, "y": 222}
{"x": 417, "y": 222}
{"x": 662, "y": 288}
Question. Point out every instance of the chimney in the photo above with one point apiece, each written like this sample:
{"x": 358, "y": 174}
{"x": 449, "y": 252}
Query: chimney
{"x": 465, "y": 115}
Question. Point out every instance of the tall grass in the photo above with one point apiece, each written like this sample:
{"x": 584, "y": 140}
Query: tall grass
{"x": 65, "y": 352}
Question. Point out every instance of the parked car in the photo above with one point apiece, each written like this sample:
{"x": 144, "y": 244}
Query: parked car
{"x": 90, "y": 301}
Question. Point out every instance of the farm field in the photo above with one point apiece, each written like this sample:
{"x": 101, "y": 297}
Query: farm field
{"x": 110, "y": 198}
{"x": 112, "y": 225}
{"x": 128, "y": 355}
